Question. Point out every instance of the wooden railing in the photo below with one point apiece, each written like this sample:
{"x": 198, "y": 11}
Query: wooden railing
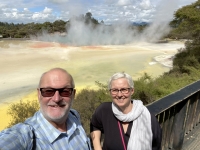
{"x": 178, "y": 114}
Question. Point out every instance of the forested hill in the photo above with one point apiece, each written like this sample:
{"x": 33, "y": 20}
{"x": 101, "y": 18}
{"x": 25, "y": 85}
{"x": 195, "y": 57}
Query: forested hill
{"x": 186, "y": 22}
{"x": 11, "y": 30}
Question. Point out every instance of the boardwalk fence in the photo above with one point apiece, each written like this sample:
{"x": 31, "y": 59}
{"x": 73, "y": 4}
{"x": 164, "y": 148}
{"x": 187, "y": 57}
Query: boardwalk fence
{"x": 178, "y": 114}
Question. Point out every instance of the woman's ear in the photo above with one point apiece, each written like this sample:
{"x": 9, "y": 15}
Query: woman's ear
{"x": 132, "y": 91}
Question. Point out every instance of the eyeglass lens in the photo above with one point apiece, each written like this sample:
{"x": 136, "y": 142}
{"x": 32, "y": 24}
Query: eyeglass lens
{"x": 124, "y": 90}
{"x": 49, "y": 92}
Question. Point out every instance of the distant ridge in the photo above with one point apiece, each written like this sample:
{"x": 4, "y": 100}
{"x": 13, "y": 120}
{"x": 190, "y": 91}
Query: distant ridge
{"x": 140, "y": 23}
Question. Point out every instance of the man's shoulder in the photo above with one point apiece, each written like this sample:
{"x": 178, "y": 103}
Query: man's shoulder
{"x": 32, "y": 121}
{"x": 20, "y": 131}
{"x": 19, "y": 135}
{"x": 20, "y": 128}
{"x": 74, "y": 112}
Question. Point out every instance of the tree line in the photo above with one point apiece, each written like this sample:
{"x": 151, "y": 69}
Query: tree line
{"x": 186, "y": 69}
{"x": 11, "y": 30}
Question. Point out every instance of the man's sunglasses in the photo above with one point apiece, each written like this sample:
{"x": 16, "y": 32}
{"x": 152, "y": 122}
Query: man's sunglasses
{"x": 49, "y": 92}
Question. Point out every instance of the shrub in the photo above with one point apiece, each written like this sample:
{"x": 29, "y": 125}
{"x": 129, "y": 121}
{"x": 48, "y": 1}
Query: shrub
{"x": 22, "y": 110}
{"x": 87, "y": 100}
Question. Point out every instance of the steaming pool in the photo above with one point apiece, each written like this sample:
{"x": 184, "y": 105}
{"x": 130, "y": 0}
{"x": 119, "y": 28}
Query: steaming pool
{"x": 23, "y": 61}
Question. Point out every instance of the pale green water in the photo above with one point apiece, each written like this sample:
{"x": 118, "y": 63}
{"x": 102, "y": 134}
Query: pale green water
{"x": 22, "y": 63}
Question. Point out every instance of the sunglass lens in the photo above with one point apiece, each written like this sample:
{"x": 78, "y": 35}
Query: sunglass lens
{"x": 48, "y": 92}
{"x": 65, "y": 92}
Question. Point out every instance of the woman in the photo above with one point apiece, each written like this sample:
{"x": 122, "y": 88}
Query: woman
{"x": 125, "y": 123}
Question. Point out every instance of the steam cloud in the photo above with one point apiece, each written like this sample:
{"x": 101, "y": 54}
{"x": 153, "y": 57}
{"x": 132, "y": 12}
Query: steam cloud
{"x": 120, "y": 32}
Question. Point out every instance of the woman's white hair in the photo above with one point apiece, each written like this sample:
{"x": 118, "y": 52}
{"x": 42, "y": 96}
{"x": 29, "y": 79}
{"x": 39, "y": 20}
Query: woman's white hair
{"x": 121, "y": 75}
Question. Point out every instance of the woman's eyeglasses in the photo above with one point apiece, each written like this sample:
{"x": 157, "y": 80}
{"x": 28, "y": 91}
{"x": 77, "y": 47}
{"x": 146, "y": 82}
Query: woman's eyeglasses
{"x": 49, "y": 92}
{"x": 123, "y": 91}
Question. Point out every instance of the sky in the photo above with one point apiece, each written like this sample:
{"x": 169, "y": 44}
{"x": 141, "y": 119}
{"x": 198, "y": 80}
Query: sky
{"x": 110, "y": 11}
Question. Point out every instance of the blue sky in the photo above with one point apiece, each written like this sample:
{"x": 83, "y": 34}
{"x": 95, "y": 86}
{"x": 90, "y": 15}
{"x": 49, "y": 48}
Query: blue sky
{"x": 110, "y": 11}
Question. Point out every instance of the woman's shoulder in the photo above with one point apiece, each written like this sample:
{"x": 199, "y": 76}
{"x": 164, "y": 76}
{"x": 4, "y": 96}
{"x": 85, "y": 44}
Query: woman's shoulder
{"x": 105, "y": 105}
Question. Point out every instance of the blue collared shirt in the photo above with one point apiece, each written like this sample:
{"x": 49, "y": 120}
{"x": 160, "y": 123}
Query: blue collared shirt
{"x": 38, "y": 132}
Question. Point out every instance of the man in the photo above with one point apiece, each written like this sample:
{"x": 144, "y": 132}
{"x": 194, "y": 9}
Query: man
{"x": 55, "y": 126}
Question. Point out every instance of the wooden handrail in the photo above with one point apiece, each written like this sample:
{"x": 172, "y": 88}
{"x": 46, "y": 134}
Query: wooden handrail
{"x": 178, "y": 114}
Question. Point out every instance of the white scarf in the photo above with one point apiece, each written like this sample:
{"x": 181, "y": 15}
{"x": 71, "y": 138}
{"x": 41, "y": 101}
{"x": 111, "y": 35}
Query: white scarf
{"x": 141, "y": 133}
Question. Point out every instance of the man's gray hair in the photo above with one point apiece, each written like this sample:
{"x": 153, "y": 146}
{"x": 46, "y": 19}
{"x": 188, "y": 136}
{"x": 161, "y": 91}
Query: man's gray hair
{"x": 121, "y": 75}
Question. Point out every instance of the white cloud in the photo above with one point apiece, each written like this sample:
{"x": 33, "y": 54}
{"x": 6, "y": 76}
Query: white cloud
{"x": 26, "y": 9}
{"x": 58, "y": 1}
{"x": 106, "y": 10}
{"x": 14, "y": 10}
{"x": 124, "y": 2}
{"x": 47, "y": 10}
{"x": 145, "y": 4}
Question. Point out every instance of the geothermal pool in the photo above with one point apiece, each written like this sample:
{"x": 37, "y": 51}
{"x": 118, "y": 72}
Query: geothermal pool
{"x": 23, "y": 61}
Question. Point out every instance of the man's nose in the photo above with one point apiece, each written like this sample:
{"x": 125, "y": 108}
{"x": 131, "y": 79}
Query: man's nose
{"x": 57, "y": 97}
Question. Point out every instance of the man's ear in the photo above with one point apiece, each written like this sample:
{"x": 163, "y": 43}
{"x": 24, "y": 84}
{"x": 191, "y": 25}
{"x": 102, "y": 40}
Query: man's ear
{"x": 74, "y": 92}
{"x": 38, "y": 93}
